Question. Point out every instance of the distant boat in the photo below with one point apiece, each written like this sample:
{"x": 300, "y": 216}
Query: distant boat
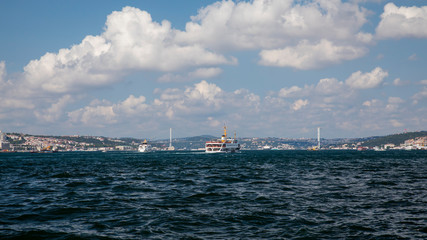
{"x": 144, "y": 147}
{"x": 222, "y": 145}
{"x": 266, "y": 147}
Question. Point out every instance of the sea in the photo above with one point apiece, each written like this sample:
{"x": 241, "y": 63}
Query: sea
{"x": 193, "y": 195}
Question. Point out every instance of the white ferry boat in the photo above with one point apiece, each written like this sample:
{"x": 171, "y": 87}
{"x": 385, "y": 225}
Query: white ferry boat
{"x": 222, "y": 145}
{"x": 144, "y": 147}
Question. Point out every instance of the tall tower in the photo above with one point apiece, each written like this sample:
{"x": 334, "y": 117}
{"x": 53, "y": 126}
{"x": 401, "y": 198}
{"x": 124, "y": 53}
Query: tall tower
{"x": 318, "y": 138}
{"x": 170, "y": 137}
{"x": 170, "y": 148}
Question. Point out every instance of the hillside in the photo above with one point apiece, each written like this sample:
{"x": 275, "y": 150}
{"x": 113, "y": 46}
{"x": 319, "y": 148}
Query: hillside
{"x": 395, "y": 139}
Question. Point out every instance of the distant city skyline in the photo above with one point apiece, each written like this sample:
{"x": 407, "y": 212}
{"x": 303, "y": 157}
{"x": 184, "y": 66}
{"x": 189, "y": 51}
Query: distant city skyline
{"x": 276, "y": 68}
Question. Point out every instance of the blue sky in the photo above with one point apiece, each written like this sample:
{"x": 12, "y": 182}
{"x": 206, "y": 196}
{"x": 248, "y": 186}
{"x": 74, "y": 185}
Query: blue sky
{"x": 264, "y": 68}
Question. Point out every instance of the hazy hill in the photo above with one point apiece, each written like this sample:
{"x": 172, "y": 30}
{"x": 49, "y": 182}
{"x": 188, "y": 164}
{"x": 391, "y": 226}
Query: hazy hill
{"x": 395, "y": 139}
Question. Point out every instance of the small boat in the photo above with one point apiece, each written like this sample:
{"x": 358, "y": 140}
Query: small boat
{"x": 222, "y": 145}
{"x": 144, "y": 147}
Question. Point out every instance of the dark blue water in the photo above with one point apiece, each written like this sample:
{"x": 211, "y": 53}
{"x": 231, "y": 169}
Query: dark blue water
{"x": 186, "y": 195}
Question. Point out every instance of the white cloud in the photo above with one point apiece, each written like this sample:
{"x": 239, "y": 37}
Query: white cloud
{"x": 371, "y": 103}
{"x": 191, "y": 106}
{"x": 203, "y": 90}
{"x": 200, "y": 73}
{"x": 329, "y": 103}
{"x": 399, "y": 22}
{"x": 205, "y": 73}
{"x": 11, "y": 98}
{"x": 287, "y": 92}
{"x": 98, "y": 116}
{"x": 298, "y": 104}
{"x": 101, "y": 113}
{"x": 298, "y": 34}
{"x": 55, "y": 111}
{"x": 303, "y": 35}
{"x": 359, "y": 80}
{"x": 289, "y": 34}
{"x": 329, "y": 86}
{"x": 131, "y": 105}
{"x": 274, "y": 23}
{"x": 307, "y": 55}
{"x": 327, "y": 94}
{"x": 131, "y": 41}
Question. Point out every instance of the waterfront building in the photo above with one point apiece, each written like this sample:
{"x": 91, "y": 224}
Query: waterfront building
{"x": 4, "y": 145}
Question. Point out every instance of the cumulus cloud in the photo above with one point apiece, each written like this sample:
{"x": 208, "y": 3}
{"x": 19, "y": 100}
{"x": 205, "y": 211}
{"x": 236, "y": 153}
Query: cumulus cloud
{"x": 288, "y": 92}
{"x": 273, "y": 23}
{"x": 298, "y": 34}
{"x": 359, "y": 80}
{"x": 308, "y": 56}
{"x": 325, "y": 94}
{"x": 330, "y": 103}
{"x": 100, "y": 113}
{"x": 55, "y": 111}
{"x": 203, "y": 90}
{"x": 298, "y": 104}
{"x": 199, "y": 105}
{"x": 305, "y": 35}
{"x": 371, "y": 103}
{"x": 288, "y": 34}
{"x": 329, "y": 86}
{"x": 400, "y": 22}
{"x": 131, "y": 41}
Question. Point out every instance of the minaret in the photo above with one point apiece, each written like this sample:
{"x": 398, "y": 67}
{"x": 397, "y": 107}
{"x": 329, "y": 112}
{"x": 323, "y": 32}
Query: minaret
{"x": 318, "y": 138}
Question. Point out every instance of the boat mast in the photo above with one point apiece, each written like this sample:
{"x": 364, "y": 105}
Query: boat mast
{"x": 318, "y": 138}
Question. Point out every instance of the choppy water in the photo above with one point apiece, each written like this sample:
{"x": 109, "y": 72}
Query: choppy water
{"x": 187, "y": 195}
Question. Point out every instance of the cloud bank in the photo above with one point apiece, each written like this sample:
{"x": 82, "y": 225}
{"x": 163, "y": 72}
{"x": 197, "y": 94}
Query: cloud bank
{"x": 400, "y": 22}
{"x": 131, "y": 41}
{"x": 287, "y": 34}
{"x": 57, "y": 88}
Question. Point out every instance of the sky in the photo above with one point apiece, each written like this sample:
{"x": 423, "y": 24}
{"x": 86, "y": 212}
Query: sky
{"x": 265, "y": 68}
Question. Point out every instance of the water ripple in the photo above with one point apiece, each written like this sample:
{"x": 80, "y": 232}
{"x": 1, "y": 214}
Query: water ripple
{"x": 186, "y": 195}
